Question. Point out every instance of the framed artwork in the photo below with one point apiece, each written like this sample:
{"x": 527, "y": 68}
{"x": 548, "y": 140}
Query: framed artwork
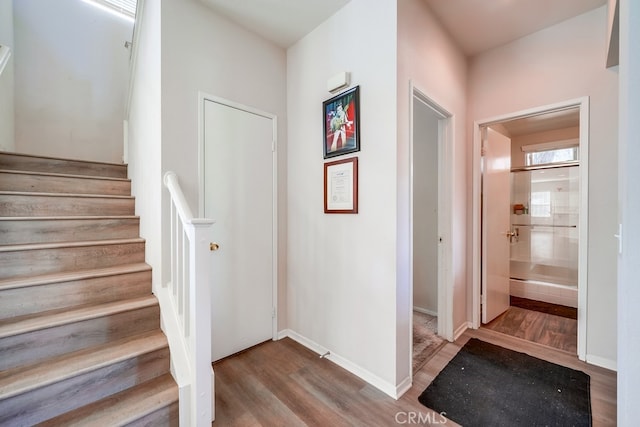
{"x": 341, "y": 121}
{"x": 341, "y": 186}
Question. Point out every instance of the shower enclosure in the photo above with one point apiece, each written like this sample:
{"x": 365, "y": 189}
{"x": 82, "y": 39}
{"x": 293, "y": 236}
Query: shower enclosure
{"x": 544, "y": 226}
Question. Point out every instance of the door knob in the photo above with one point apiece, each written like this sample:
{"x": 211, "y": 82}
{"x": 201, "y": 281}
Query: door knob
{"x": 214, "y": 246}
{"x": 512, "y": 234}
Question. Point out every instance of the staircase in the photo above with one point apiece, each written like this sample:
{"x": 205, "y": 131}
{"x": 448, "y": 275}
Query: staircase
{"x": 80, "y": 338}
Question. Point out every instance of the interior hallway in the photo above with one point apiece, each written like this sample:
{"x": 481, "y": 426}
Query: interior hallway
{"x": 284, "y": 383}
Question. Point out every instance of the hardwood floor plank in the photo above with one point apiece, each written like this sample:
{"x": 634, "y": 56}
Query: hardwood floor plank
{"x": 282, "y": 383}
{"x": 547, "y": 329}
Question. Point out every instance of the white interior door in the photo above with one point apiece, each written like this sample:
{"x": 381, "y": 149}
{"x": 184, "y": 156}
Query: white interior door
{"x": 496, "y": 224}
{"x": 238, "y": 194}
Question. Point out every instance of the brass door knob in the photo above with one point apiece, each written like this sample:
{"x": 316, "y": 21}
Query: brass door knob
{"x": 214, "y": 246}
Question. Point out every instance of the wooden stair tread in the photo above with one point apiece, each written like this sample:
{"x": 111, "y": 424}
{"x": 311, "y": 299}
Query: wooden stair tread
{"x": 79, "y": 244}
{"x": 37, "y": 204}
{"x": 32, "y": 322}
{"x": 37, "y": 156}
{"x": 64, "y": 218}
{"x": 25, "y": 378}
{"x": 46, "y": 182}
{"x": 64, "y": 175}
{"x": 70, "y": 337}
{"x": 28, "y": 162}
{"x": 88, "y": 196}
{"x": 122, "y": 408}
{"x": 46, "y": 279}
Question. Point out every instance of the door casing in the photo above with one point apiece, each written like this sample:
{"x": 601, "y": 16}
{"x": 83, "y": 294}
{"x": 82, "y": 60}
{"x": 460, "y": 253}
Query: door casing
{"x": 583, "y": 104}
{"x": 445, "y": 201}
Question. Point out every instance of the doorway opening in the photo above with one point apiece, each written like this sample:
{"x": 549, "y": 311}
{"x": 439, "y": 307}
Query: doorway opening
{"x": 530, "y": 247}
{"x": 430, "y": 132}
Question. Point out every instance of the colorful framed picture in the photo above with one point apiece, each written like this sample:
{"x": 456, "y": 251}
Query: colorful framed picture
{"x": 341, "y": 186}
{"x": 341, "y": 120}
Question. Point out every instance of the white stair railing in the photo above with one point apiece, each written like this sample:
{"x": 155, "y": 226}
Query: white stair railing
{"x": 187, "y": 298}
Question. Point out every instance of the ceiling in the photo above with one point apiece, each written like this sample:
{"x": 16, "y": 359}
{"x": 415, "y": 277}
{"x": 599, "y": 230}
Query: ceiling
{"x": 284, "y": 22}
{"x": 476, "y": 25}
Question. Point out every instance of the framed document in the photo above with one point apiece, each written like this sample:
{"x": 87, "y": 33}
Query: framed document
{"x": 341, "y": 186}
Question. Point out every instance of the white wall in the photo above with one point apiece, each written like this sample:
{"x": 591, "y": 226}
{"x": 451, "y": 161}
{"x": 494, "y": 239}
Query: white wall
{"x": 202, "y": 51}
{"x": 425, "y": 208}
{"x": 629, "y": 199}
{"x": 430, "y": 59}
{"x": 342, "y": 268}
{"x": 71, "y": 74}
{"x": 145, "y": 136}
{"x": 565, "y": 62}
{"x": 7, "y": 137}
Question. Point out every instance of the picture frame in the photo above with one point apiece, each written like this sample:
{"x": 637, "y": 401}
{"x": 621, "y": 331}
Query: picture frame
{"x": 341, "y": 122}
{"x": 341, "y": 186}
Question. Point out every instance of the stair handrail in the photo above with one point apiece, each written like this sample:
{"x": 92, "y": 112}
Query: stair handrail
{"x": 188, "y": 296}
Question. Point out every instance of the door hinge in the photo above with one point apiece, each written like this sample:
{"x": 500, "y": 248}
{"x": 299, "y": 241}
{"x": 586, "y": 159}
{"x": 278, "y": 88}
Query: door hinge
{"x": 273, "y": 313}
{"x": 273, "y": 146}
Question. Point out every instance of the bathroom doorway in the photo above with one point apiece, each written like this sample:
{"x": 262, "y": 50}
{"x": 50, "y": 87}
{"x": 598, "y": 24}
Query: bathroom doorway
{"x": 532, "y": 230}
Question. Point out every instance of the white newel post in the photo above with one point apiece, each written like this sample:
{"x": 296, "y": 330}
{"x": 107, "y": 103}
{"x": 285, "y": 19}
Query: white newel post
{"x": 200, "y": 338}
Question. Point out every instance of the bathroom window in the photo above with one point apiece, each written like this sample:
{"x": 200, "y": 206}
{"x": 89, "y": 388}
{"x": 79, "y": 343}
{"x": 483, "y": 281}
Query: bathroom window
{"x": 541, "y": 204}
{"x": 557, "y": 155}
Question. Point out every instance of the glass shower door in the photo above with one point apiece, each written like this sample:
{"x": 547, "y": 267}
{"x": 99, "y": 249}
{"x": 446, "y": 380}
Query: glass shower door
{"x": 544, "y": 220}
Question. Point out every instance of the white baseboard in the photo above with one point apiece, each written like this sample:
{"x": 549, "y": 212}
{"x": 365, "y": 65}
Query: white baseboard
{"x": 602, "y": 362}
{"x": 458, "y": 332}
{"x": 403, "y": 387}
{"x": 382, "y": 385}
{"x": 425, "y": 311}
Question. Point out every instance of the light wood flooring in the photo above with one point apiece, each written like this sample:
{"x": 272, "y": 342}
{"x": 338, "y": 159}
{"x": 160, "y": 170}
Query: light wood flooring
{"x": 282, "y": 383}
{"x": 542, "y": 328}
